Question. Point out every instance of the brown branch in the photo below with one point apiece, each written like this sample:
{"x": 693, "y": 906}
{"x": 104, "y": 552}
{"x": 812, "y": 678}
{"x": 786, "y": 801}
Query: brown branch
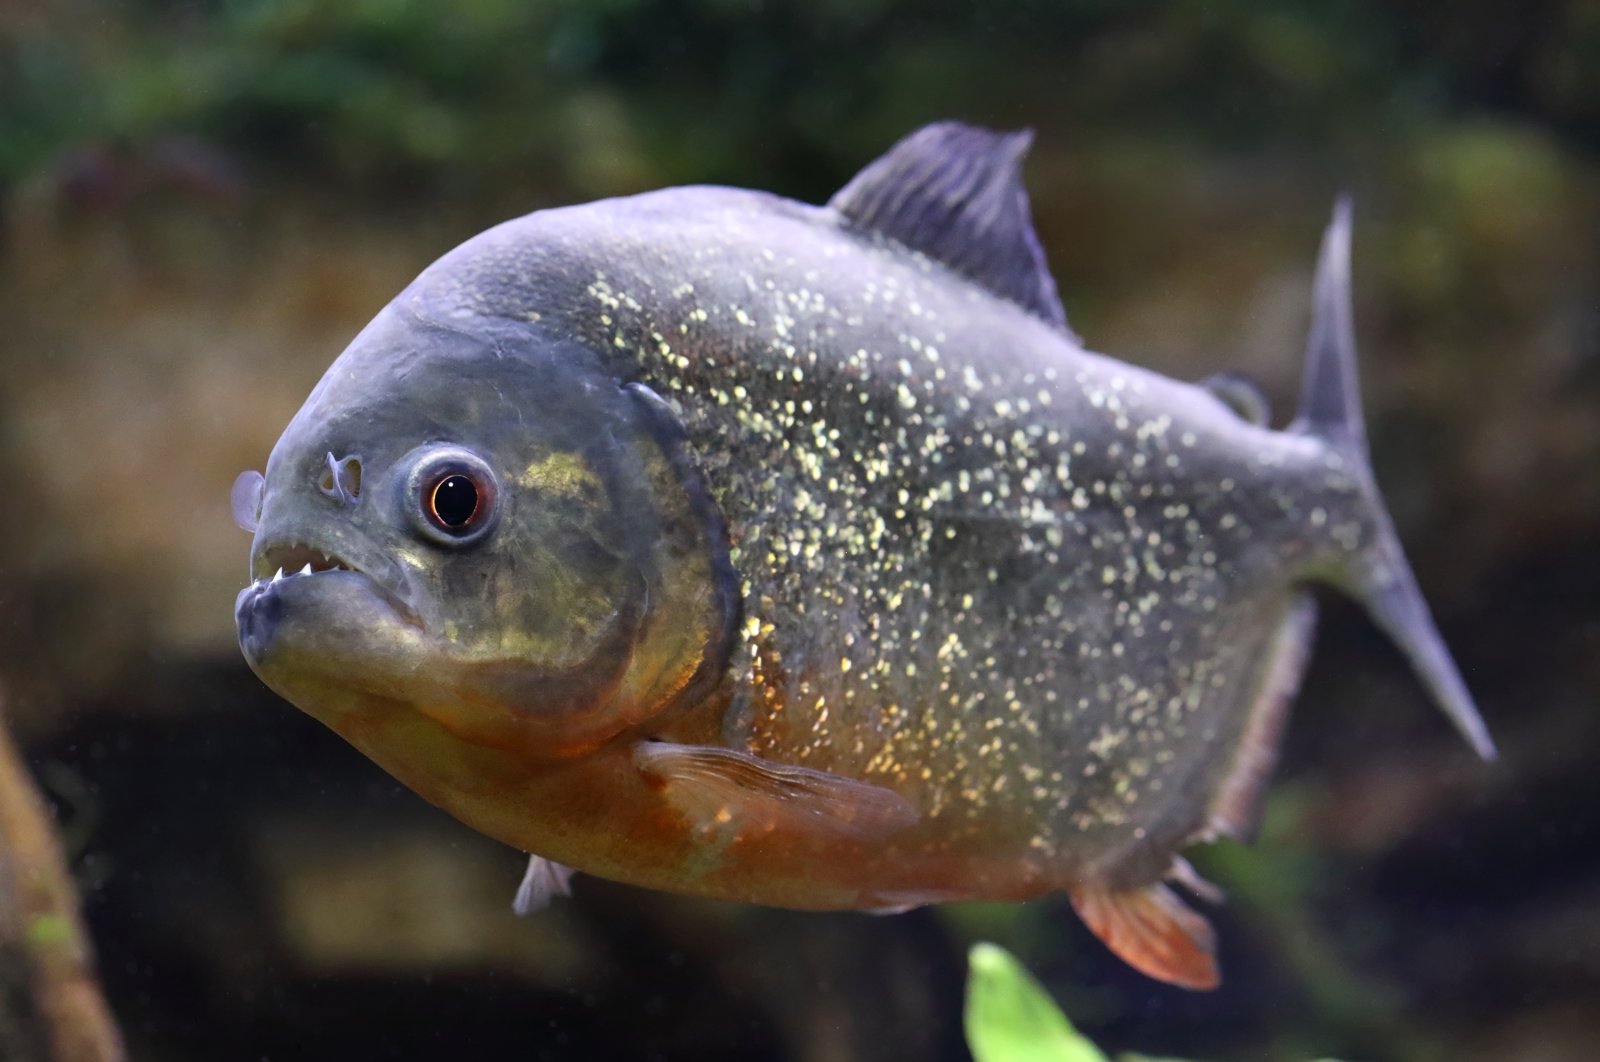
{"x": 40, "y": 923}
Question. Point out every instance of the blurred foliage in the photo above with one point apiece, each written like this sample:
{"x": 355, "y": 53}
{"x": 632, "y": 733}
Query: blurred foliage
{"x": 407, "y": 94}
{"x": 1010, "y": 1018}
{"x": 1280, "y": 882}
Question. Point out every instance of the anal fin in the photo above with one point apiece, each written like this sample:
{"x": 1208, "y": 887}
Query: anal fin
{"x": 721, "y": 790}
{"x": 1151, "y": 930}
{"x": 1235, "y": 809}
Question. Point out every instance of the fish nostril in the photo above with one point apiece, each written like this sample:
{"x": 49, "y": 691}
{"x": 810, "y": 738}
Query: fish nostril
{"x": 341, "y": 478}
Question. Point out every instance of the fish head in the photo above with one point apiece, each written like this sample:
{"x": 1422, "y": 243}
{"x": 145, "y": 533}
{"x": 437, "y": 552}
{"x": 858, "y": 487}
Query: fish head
{"x": 473, "y": 522}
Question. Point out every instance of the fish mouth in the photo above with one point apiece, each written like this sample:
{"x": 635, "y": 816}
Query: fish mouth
{"x": 294, "y": 560}
{"x": 282, "y": 563}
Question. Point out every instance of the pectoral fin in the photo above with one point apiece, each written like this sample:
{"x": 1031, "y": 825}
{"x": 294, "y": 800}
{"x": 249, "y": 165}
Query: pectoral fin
{"x": 1151, "y": 930}
{"x": 721, "y": 790}
{"x": 893, "y": 903}
{"x": 543, "y": 882}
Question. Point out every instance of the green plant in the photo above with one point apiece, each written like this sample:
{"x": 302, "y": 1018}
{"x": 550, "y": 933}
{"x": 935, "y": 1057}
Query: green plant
{"x": 1010, "y": 1018}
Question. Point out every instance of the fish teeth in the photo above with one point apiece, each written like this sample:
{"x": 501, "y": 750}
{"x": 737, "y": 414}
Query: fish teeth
{"x": 278, "y": 577}
{"x": 307, "y": 569}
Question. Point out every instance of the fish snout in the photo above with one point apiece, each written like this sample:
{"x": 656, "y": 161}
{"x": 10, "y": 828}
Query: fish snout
{"x": 257, "y": 613}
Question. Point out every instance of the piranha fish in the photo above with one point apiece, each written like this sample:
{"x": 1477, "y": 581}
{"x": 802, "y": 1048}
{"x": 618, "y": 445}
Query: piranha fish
{"x": 804, "y": 556}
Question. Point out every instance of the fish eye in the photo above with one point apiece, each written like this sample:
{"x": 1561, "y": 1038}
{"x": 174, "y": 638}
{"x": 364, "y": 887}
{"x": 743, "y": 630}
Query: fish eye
{"x": 454, "y": 502}
{"x": 454, "y": 495}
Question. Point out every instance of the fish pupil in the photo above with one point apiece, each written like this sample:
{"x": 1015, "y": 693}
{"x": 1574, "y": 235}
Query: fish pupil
{"x": 455, "y": 501}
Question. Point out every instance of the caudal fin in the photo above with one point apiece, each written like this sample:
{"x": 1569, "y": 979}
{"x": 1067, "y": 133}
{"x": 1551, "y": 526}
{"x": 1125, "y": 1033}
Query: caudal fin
{"x": 1379, "y": 577}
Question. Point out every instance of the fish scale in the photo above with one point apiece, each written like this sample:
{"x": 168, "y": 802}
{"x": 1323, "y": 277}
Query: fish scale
{"x": 805, "y": 556}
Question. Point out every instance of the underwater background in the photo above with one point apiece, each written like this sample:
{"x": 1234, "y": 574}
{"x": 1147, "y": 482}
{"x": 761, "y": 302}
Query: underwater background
{"x": 203, "y": 201}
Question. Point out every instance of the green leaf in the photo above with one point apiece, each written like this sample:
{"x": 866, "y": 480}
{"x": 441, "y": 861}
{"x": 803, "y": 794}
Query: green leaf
{"x": 1009, "y": 1018}
{"x": 49, "y": 930}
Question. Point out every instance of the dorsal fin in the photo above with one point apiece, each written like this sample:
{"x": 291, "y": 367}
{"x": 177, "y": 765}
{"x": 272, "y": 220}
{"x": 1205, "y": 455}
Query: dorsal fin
{"x": 954, "y": 192}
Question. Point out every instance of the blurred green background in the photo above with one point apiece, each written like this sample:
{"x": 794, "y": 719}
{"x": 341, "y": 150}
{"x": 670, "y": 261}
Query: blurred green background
{"x": 203, "y": 201}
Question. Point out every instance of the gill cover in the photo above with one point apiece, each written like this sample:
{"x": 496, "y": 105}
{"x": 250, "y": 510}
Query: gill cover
{"x": 629, "y": 490}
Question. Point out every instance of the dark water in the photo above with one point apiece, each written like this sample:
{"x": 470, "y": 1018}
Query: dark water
{"x": 204, "y": 201}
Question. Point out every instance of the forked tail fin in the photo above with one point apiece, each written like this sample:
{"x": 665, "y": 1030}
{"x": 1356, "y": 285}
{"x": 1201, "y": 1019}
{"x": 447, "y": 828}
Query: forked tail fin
{"x": 1379, "y": 577}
